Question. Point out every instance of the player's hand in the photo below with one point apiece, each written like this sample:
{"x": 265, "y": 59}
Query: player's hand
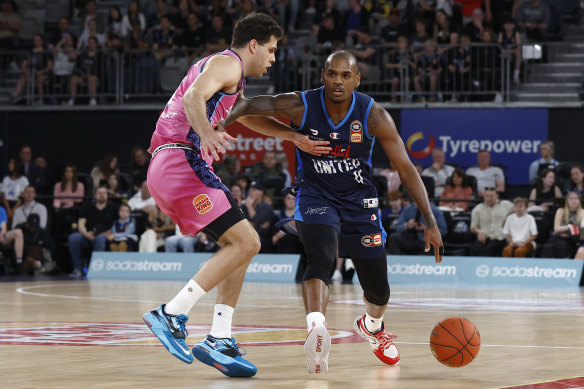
{"x": 314, "y": 147}
{"x": 214, "y": 143}
{"x": 433, "y": 237}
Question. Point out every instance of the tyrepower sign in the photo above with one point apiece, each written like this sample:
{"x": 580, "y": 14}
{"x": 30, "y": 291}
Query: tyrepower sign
{"x": 251, "y": 146}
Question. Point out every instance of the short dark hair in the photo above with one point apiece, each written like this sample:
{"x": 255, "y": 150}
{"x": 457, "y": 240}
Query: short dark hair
{"x": 256, "y": 26}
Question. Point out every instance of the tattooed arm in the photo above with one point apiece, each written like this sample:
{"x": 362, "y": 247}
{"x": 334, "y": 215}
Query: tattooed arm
{"x": 381, "y": 125}
{"x": 256, "y": 113}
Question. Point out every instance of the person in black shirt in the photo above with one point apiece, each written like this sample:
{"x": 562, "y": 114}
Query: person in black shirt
{"x": 394, "y": 29}
{"x": 94, "y": 225}
{"x": 88, "y": 69}
{"x": 218, "y": 37}
{"x": 192, "y": 39}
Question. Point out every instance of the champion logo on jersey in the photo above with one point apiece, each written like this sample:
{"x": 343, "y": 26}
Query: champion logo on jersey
{"x": 356, "y": 132}
{"x": 374, "y": 217}
{"x": 334, "y": 135}
{"x": 202, "y": 203}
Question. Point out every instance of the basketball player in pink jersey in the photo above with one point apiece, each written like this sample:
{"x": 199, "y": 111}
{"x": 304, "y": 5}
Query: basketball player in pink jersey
{"x": 182, "y": 181}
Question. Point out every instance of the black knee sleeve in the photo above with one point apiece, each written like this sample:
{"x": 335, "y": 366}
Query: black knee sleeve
{"x": 372, "y": 273}
{"x": 320, "y": 244}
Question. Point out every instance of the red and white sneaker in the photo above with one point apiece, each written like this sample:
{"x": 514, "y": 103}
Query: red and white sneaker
{"x": 317, "y": 347}
{"x": 380, "y": 342}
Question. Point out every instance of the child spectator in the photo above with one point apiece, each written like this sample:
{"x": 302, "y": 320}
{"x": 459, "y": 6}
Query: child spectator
{"x": 520, "y": 230}
{"x": 123, "y": 237}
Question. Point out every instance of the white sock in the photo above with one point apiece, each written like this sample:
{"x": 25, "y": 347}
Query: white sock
{"x": 185, "y": 299}
{"x": 222, "y": 317}
{"x": 314, "y": 317}
{"x": 372, "y": 324}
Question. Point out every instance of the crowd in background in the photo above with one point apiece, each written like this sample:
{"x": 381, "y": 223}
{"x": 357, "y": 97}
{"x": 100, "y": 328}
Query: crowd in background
{"x": 426, "y": 44}
{"x": 52, "y": 222}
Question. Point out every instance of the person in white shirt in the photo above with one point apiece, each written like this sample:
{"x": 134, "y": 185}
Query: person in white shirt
{"x": 520, "y": 230}
{"x": 30, "y": 206}
{"x": 487, "y": 176}
{"x": 439, "y": 171}
{"x": 487, "y": 220}
{"x": 142, "y": 200}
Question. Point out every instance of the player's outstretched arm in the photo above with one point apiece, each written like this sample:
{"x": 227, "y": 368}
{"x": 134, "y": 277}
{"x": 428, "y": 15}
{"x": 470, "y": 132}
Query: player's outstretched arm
{"x": 381, "y": 125}
{"x": 220, "y": 73}
{"x": 261, "y": 109}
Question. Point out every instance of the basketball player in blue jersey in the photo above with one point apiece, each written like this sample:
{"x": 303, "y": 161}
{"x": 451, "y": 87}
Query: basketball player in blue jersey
{"x": 337, "y": 201}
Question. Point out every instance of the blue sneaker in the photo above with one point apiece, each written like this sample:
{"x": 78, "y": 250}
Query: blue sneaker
{"x": 171, "y": 332}
{"x": 223, "y": 354}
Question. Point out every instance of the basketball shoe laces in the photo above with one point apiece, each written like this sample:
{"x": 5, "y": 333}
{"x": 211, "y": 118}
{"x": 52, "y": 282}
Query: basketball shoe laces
{"x": 182, "y": 332}
{"x": 232, "y": 349}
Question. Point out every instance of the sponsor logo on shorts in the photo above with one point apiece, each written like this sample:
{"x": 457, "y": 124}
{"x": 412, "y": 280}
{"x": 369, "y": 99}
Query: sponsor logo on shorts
{"x": 371, "y": 240}
{"x": 202, "y": 203}
{"x": 356, "y": 132}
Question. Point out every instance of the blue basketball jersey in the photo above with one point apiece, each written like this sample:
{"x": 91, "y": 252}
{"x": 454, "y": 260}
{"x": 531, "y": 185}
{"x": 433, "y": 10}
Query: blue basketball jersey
{"x": 345, "y": 173}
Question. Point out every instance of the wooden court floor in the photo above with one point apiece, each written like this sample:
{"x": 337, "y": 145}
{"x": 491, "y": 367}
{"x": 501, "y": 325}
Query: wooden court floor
{"x": 81, "y": 334}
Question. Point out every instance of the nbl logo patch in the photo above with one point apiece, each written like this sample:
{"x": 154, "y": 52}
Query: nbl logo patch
{"x": 356, "y": 132}
{"x": 202, "y": 203}
{"x": 371, "y": 240}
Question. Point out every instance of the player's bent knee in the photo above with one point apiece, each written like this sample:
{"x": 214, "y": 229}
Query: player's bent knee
{"x": 377, "y": 296}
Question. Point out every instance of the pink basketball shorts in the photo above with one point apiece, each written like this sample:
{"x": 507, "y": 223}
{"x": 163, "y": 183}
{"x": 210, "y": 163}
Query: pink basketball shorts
{"x": 181, "y": 194}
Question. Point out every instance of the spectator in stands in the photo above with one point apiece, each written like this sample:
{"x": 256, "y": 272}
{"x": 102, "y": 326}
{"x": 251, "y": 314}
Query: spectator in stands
{"x": 100, "y": 174}
{"x": 282, "y": 160}
{"x": 260, "y": 214}
{"x": 392, "y": 176}
{"x": 90, "y": 13}
{"x": 356, "y": 16}
{"x": 520, "y": 231}
{"x": 445, "y": 32}
{"x": 329, "y": 7}
{"x": 116, "y": 192}
{"x": 64, "y": 64}
{"x": 44, "y": 184}
{"x": 237, "y": 191}
{"x": 533, "y": 17}
{"x": 420, "y": 37}
{"x": 229, "y": 168}
{"x": 459, "y": 65}
{"x": 64, "y": 29}
{"x": 10, "y": 25}
{"x": 69, "y": 190}
{"x": 267, "y": 168}
{"x": 329, "y": 32}
{"x": 395, "y": 202}
{"x": 568, "y": 222}
{"x": 94, "y": 225}
{"x": 487, "y": 175}
{"x": 282, "y": 242}
{"x": 180, "y": 19}
{"x": 243, "y": 181}
{"x": 192, "y": 38}
{"x": 28, "y": 207}
{"x": 401, "y": 66}
{"x": 474, "y": 28}
{"x": 115, "y": 25}
{"x": 497, "y": 10}
{"x": 547, "y": 161}
{"x": 88, "y": 71}
{"x": 368, "y": 52}
{"x": 139, "y": 162}
{"x": 185, "y": 242}
{"x": 389, "y": 34}
{"x": 91, "y": 32}
{"x": 164, "y": 39}
{"x": 487, "y": 220}
{"x": 428, "y": 72}
{"x": 8, "y": 238}
{"x": 158, "y": 228}
{"x": 218, "y": 36}
{"x": 13, "y": 185}
{"x": 123, "y": 236}
{"x": 142, "y": 200}
{"x": 409, "y": 235}
{"x": 153, "y": 18}
{"x": 510, "y": 39}
{"x": 439, "y": 171}
{"x": 468, "y": 8}
{"x": 545, "y": 193}
{"x": 33, "y": 172}
{"x": 41, "y": 63}
{"x": 458, "y": 189}
{"x": 132, "y": 17}
{"x": 576, "y": 182}
{"x": 39, "y": 248}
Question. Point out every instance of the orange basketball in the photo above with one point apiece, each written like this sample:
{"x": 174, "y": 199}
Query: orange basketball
{"x": 455, "y": 341}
